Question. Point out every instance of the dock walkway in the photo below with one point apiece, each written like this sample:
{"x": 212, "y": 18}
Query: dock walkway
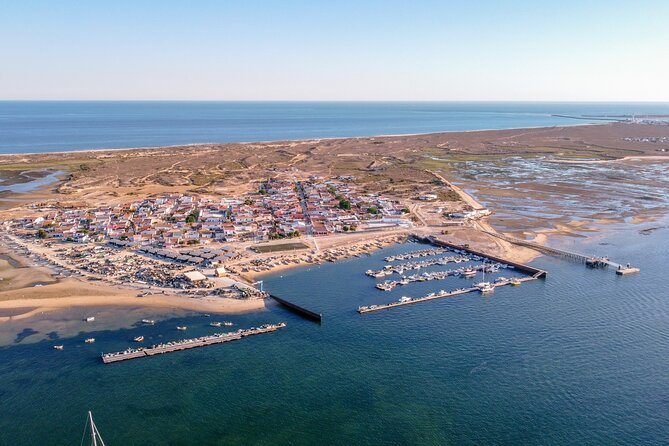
{"x": 416, "y": 300}
{"x": 186, "y": 344}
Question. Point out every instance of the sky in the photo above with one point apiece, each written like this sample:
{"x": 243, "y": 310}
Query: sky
{"x": 506, "y": 50}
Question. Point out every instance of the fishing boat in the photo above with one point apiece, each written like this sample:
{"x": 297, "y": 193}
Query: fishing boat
{"x": 215, "y": 324}
{"x": 96, "y": 438}
{"x": 90, "y": 319}
{"x": 57, "y": 347}
{"x": 138, "y": 339}
{"x": 228, "y": 324}
{"x": 469, "y": 272}
{"x": 89, "y": 340}
{"x": 148, "y": 321}
{"x": 182, "y": 327}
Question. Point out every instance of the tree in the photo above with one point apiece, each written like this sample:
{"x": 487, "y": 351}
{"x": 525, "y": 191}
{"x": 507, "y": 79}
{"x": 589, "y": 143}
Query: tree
{"x": 192, "y": 217}
{"x": 405, "y": 210}
{"x": 248, "y": 202}
{"x": 344, "y": 204}
{"x": 41, "y": 234}
{"x": 373, "y": 210}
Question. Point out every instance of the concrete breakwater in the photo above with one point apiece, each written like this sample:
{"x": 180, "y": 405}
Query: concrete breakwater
{"x": 218, "y": 338}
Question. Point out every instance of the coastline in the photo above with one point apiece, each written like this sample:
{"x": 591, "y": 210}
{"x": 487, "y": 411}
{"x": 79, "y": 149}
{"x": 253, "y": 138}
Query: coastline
{"x": 298, "y": 140}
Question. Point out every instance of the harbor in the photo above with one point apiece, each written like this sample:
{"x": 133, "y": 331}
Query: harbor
{"x": 490, "y": 264}
{"x": 185, "y": 344}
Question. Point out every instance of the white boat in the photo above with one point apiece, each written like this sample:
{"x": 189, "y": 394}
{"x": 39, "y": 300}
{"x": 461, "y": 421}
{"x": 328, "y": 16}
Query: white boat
{"x": 228, "y": 324}
{"x": 90, "y": 319}
{"x": 57, "y": 347}
{"x": 148, "y": 321}
{"x": 182, "y": 327}
{"x": 139, "y": 339}
{"x": 89, "y": 340}
{"x": 215, "y": 324}
{"x": 486, "y": 288}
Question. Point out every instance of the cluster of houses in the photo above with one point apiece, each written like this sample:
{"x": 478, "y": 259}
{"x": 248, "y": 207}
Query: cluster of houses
{"x": 279, "y": 208}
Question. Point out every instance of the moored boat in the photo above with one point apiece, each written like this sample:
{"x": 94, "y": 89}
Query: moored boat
{"x": 138, "y": 339}
{"x": 89, "y": 340}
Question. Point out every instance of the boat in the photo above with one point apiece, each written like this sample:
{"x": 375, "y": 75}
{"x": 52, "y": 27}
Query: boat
{"x": 57, "y": 347}
{"x": 486, "y": 287}
{"x": 228, "y": 324}
{"x": 89, "y": 340}
{"x": 148, "y": 321}
{"x": 215, "y": 324}
{"x": 404, "y": 299}
{"x": 469, "y": 272}
{"x": 96, "y": 438}
{"x": 182, "y": 327}
{"x": 207, "y": 315}
{"x": 90, "y": 319}
{"x": 138, "y": 339}
{"x": 515, "y": 282}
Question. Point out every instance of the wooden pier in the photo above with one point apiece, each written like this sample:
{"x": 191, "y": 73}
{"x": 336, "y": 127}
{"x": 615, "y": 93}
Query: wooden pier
{"x": 186, "y": 344}
{"x": 298, "y": 309}
{"x": 589, "y": 260}
{"x": 445, "y": 294}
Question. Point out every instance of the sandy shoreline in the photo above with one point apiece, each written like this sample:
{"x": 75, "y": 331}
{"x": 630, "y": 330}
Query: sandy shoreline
{"x": 276, "y": 141}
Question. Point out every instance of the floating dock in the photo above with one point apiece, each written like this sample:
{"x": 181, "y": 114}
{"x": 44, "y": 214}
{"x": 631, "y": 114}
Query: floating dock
{"x": 626, "y": 271}
{"x": 298, "y": 309}
{"x": 186, "y": 344}
{"x": 435, "y": 296}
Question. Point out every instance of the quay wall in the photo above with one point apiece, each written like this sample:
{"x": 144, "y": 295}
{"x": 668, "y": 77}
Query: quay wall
{"x": 298, "y": 309}
{"x": 538, "y": 273}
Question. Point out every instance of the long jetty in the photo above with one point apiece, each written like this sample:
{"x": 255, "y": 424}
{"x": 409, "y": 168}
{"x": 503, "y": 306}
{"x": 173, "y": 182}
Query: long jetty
{"x": 203, "y": 341}
{"x": 592, "y": 261}
{"x": 298, "y": 309}
{"x": 434, "y": 296}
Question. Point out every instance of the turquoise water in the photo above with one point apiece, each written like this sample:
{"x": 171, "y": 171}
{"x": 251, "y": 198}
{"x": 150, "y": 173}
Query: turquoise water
{"x": 47, "y": 126}
{"x": 580, "y": 358}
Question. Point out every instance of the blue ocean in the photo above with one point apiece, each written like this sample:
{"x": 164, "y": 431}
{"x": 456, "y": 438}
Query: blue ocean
{"x": 35, "y": 126}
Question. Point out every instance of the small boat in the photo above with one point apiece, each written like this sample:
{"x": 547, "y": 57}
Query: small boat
{"x": 207, "y": 315}
{"x": 148, "y": 321}
{"x": 90, "y": 319}
{"x": 215, "y": 324}
{"x": 228, "y": 324}
{"x": 89, "y": 340}
{"x": 57, "y": 347}
{"x": 139, "y": 339}
{"x": 515, "y": 282}
{"x": 182, "y": 327}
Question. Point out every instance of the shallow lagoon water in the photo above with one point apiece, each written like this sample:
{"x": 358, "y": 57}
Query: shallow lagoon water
{"x": 579, "y": 358}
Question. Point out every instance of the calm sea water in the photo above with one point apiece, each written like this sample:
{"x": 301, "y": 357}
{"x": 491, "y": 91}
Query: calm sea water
{"x": 27, "y": 127}
{"x": 580, "y": 358}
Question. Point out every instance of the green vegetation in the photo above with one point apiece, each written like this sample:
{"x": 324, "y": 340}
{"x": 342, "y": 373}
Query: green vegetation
{"x": 373, "y": 210}
{"x": 192, "y": 217}
{"x": 193, "y": 242}
{"x": 279, "y": 247}
{"x": 41, "y": 234}
{"x": 248, "y": 202}
{"x": 332, "y": 190}
{"x": 344, "y": 204}
{"x": 405, "y": 210}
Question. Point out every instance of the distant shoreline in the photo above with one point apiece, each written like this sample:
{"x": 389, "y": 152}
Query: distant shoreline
{"x": 275, "y": 141}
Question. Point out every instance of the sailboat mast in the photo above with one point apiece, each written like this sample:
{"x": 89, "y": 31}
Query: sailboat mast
{"x": 94, "y": 437}
{"x": 95, "y": 434}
